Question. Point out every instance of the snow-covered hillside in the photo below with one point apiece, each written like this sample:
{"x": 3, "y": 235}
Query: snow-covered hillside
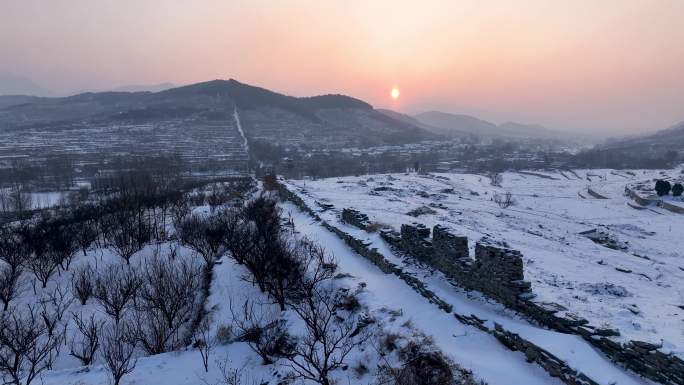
{"x": 635, "y": 286}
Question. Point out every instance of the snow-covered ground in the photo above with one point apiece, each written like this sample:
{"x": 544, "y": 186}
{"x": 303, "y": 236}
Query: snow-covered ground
{"x": 644, "y": 299}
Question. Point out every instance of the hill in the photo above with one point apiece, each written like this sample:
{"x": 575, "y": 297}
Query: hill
{"x": 19, "y": 85}
{"x": 660, "y": 150}
{"x": 458, "y": 124}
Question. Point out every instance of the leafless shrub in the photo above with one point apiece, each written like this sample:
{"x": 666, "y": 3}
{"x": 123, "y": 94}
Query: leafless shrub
{"x": 171, "y": 287}
{"x": 495, "y": 178}
{"x": 504, "y": 201}
{"x": 262, "y": 329}
{"x": 82, "y": 283}
{"x": 374, "y": 227}
{"x": 117, "y": 351}
{"x": 168, "y": 303}
{"x": 204, "y": 234}
{"x": 84, "y": 346}
{"x": 115, "y": 288}
{"x": 233, "y": 376}
{"x": 26, "y": 346}
{"x": 204, "y": 341}
{"x": 329, "y": 338}
{"x": 420, "y": 363}
{"x": 224, "y": 334}
{"x": 52, "y": 308}
{"x": 152, "y": 332}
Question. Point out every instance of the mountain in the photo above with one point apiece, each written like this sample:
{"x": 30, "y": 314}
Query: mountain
{"x": 18, "y": 85}
{"x": 458, "y": 124}
{"x": 325, "y": 120}
{"x": 671, "y": 138}
{"x": 145, "y": 88}
{"x": 662, "y": 149}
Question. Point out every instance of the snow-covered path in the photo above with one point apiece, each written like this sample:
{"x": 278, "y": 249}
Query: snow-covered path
{"x": 238, "y": 124}
{"x": 470, "y": 347}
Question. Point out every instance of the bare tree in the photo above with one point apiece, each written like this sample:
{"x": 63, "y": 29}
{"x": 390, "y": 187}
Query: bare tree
{"x": 14, "y": 254}
{"x": 504, "y": 201}
{"x": 86, "y": 232}
{"x": 4, "y": 201}
{"x": 127, "y": 232}
{"x": 19, "y": 200}
{"x": 10, "y": 284}
{"x": 329, "y": 338}
{"x": 82, "y": 283}
{"x": 62, "y": 245}
{"x": 43, "y": 265}
{"x": 26, "y": 346}
{"x": 12, "y": 250}
{"x": 117, "y": 352}
{"x": 85, "y": 344}
{"x": 318, "y": 267}
{"x": 115, "y": 288}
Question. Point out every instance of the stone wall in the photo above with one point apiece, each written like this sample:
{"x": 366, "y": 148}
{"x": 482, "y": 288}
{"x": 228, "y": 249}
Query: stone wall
{"x": 638, "y": 198}
{"x": 551, "y": 364}
{"x": 498, "y": 272}
{"x": 355, "y": 218}
{"x": 495, "y": 271}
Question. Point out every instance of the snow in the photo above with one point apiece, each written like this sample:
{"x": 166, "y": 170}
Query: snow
{"x": 466, "y": 344}
{"x": 544, "y": 224}
{"x": 469, "y": 347}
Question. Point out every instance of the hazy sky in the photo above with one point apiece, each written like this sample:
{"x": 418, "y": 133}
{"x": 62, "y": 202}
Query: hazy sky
{"x": 584, "y": 65}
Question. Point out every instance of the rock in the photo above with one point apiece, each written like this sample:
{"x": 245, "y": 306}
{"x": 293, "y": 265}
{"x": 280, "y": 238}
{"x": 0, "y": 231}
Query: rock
{"x": 423, "y": 210}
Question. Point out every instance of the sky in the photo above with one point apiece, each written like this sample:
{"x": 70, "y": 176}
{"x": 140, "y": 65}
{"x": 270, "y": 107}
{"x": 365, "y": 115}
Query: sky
{"x": 609, "y": 66}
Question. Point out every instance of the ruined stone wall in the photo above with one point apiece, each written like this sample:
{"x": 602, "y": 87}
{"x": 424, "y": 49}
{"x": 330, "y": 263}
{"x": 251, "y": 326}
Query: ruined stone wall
{"x": 498, "y": 272}
{"x": 495, "y": 271}
{"x": 355, "y": 218}
{"x": 643, "y": 358}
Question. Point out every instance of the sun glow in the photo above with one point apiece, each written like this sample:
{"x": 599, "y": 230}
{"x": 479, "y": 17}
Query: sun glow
{"x": 394, "y": 93}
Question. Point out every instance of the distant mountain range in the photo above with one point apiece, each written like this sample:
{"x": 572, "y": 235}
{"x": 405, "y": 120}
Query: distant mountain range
{"x": 662, "y": 149}
{"x": 669, "y": 139}
{"x": 334, "y": 119}
{"x": 145, "y": 87}
{"x": 456, "y": 125}
{"x": 18, "y": 85}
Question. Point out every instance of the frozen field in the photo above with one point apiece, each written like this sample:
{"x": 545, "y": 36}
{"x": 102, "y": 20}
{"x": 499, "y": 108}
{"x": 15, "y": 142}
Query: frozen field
{"x": 635, "y": 287}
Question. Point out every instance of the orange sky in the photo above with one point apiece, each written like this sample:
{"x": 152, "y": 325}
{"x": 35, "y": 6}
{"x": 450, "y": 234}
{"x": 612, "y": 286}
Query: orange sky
{"x": 586, "y": 65}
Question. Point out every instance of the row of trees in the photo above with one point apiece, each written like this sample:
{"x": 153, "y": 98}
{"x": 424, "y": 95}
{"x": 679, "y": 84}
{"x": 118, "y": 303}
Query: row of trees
{"x": 151, "y": 308}
{"x": 296, "y": 274}
{"x": 156, "y": 305}
{"x": 663, "y": 187}
{"x": 154, "y": 308}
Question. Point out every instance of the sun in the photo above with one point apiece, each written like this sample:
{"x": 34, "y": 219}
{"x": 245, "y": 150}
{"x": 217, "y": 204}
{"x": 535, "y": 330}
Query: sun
{"x": 394, "y": 93}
